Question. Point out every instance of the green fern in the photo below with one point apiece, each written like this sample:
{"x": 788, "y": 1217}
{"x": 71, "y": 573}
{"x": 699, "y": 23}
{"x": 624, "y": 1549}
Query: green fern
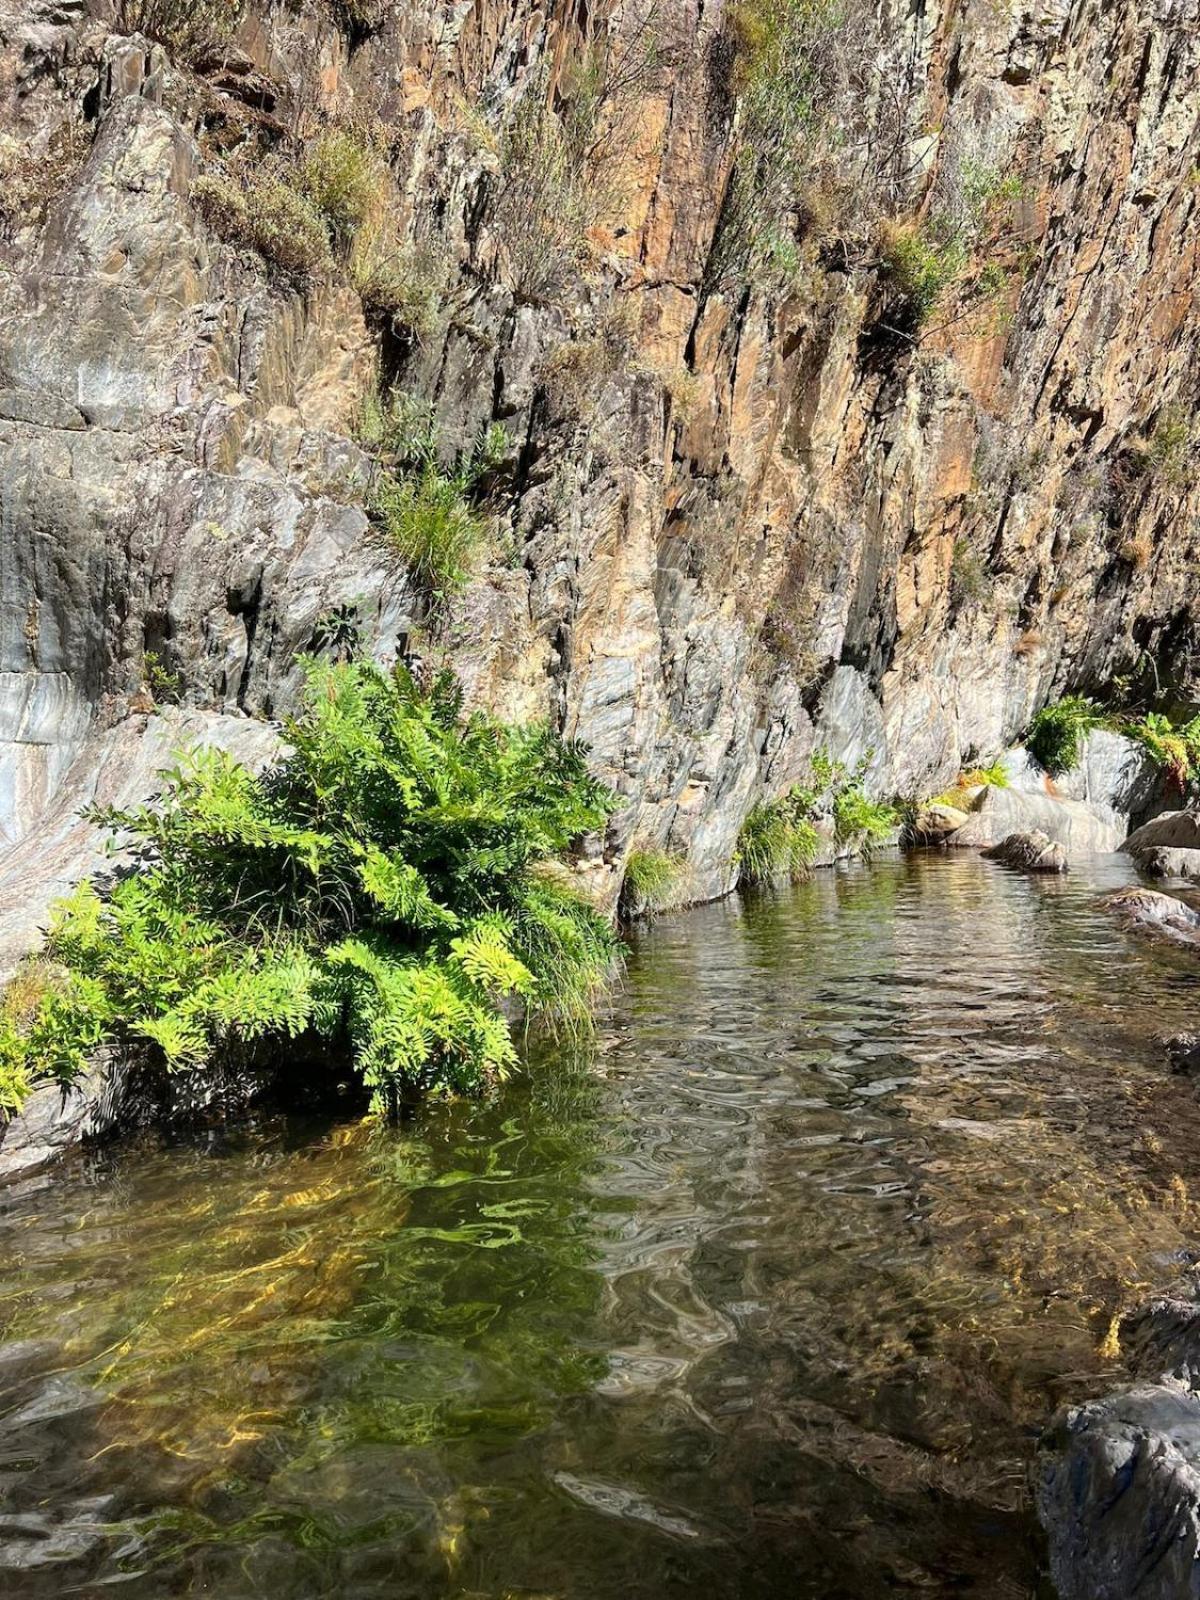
{"x": 381, "y": 889}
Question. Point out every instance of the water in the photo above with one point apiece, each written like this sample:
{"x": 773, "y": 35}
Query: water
{"x": 766, "y": 1294}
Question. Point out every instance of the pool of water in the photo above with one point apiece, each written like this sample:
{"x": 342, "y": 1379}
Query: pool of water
{"x": 765, "y": 1292}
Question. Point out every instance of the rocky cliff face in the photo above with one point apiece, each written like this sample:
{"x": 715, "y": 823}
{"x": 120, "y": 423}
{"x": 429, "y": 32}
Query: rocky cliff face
{"x": 743, "y": 512}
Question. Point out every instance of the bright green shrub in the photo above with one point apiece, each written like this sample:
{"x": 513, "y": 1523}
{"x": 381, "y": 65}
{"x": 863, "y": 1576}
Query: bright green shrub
{"x": 859, "y": 820}
{"x": 1173, "y": 746}
{"x": 377, "y": 892}
{"x": 431, "y": 526}
{"x": 776, "y": 838}
{"x": 650, "y": 878}
{"x": 427, "y": 513}
{"x": 922, "y": 261}
{"x": 1056, "y": 734}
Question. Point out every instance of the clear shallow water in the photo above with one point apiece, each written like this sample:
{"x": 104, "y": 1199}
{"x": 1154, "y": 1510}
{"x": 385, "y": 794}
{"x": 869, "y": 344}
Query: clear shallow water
{"x": 768, "y": 1294}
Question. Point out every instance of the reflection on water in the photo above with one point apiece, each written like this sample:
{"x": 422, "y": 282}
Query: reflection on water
{"x": 767, "y": 1296}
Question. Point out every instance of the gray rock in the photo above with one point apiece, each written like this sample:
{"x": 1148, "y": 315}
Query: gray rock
{"x": 1183, "y": 1049}
{"x": 1161, "y": 861}
{"x": 1031, "y": 852}
{"x": 1170, "y": 830}
{"x": 935, "y": 823}
{"x": 1081, "y": 828}
{"x": 1119, "y": 1496}
{"x": 1151, "y": 912}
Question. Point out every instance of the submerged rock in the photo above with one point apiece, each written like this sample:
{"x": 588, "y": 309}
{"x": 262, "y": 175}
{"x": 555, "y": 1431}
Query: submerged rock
{"x": 1119, "y": 1496}
{"x": 1183, "y": 1049}
{"x": 1152, "y": 912}
{"x": 1161, "y": 861}
{"x": 1032, "y": 852}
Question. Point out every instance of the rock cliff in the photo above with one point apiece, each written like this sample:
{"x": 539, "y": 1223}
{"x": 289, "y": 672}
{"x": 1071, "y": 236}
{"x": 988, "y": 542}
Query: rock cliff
{"x": 883, "y": 484}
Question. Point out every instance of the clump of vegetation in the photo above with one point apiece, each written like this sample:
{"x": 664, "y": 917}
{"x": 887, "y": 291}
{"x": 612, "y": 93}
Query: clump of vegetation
{"x": 400, "y": 284}
{"x": 1136, "y": 551}
{"x": 651, "y": 877}
{"x": 777, "y": 837}
{"x": 377, "y": 894}
{"x": 1168, "y": 449}
{"x": 922, "y": 260}
{"x": 429, "y": 514}
{"x": 1176, "y": 747}
{"x": 268, "y": 215}
{"x": 340, "y": 177}
{"x": 563, "y": 158}
{"x": 781, "y": 835}
{"x": 793, "y": 61}
{"x": 960, "y": 796}
{"x": 339, "y": 631}
{"x": 165, "y": 686}
{"x": 860, "y": 821}
{"x": 1056, "y": 734}
{"x": 187, "y": 28}
{"x": 969, "y": 581}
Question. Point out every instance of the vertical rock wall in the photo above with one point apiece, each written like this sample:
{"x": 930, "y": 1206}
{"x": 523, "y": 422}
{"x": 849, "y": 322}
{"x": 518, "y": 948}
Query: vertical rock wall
{"x": 737, "y": 521}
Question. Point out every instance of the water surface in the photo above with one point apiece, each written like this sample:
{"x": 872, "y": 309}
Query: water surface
{"x": 765, "y": 1294}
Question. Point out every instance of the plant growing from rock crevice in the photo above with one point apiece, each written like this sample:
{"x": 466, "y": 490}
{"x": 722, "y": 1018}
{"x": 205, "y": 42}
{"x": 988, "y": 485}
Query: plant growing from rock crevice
{"x": 429, "y": 514}
{"x": 374, "y": 896}
{"x": 651, "y": 878}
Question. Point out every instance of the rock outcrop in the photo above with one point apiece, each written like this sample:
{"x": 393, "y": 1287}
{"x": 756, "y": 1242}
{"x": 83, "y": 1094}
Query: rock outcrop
{"x": 1081, "y": 828}
{"x": 1030, "y": 852}
{"x": 742, "y": 517}
{"x": 1119, "y": 1489}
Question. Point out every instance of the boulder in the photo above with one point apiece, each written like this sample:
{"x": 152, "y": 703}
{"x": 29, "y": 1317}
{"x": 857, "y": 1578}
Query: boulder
{"x": 1119, "y": 1480}
{"x": 1170, "y": 830}
{"x": 1115, "y": 773}
{"x": 1151, "y": 912}
{"x": 1161, "y": 861}
{"x": 1081, "y": 828}
{"x": 935, "y": 822}
{"x": 1119, "y": 1496}
{"x": 1032, "y": 852}
{"x": 1183, "y": 1049}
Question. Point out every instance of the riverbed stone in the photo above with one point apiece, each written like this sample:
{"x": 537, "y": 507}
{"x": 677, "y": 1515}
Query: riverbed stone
{"x": 1031, "y": 852}
{"x": 1151, "y": 912}
{"x": 1170, "y": 830}
{"x": 936, "y": 822}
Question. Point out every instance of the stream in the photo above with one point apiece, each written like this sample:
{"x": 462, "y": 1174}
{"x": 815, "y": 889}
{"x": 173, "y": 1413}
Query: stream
{"x": 766, "y": 1291}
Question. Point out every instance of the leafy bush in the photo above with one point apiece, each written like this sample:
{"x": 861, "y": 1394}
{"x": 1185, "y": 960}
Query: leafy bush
{"x": 1173, "y": 746}
{"x": 399, "y": 284}
{"x": 377, "y": 893}
{"x": 650, "y": 878}
{"x": 1056, "y": 734}
{"x": 859, "y": 820}
{"x": 340, "y": 177}
{"x": 269, "y": 216}
{"x": 922, "y": 261}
